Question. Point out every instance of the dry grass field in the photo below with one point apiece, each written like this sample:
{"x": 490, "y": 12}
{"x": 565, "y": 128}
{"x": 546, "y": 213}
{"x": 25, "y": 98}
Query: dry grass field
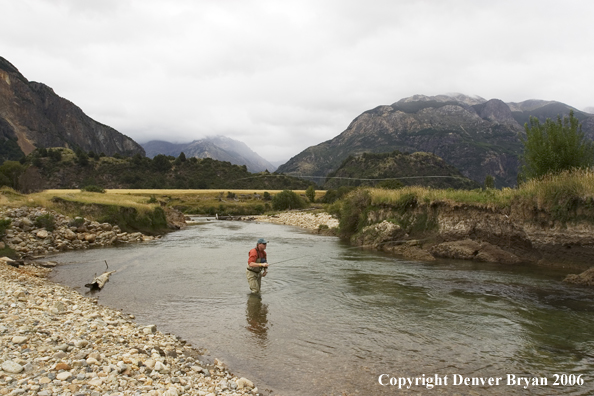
{"x": 233, "y": 202}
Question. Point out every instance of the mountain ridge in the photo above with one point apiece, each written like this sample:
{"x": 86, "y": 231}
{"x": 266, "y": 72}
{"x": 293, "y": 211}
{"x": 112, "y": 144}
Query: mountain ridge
{"x": 479, "y": 137}
{"x": 220, "y": 148}
{"x": 32, "y": 115}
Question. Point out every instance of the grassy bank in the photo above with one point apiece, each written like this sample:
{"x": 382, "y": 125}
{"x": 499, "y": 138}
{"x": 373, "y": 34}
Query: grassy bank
{"x": 562, "y": 198}
{"x": 142, "y": 210}
{"x": 546, "y": 193}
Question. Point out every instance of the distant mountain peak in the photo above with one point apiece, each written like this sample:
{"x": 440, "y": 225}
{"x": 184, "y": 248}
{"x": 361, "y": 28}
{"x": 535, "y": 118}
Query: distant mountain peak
{"x": 458, "y": 97}
{"x": 217, "y": 147}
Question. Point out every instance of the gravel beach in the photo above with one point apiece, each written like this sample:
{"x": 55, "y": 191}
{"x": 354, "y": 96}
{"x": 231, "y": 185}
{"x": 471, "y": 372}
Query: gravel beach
{"x": 56, "y": 342}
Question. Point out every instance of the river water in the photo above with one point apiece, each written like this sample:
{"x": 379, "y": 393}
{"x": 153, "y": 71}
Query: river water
{"x": 332, "y": 319}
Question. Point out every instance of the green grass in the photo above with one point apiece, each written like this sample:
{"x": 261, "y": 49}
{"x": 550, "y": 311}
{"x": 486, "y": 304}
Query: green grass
{"x": 566, "y": 196}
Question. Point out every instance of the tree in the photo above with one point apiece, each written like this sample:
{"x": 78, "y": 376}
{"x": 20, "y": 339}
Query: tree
{"x": 553, "y": 147}
{"x": 310, "y": 193}
{"x": 489, "y": 182}
{"x": 181, "y": 158}
{"x": 161, "y": 163}
{"x": 12, "y": 171}
{"x": 287, "y": 199}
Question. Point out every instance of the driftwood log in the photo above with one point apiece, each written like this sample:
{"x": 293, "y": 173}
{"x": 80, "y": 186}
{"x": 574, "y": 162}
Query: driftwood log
{"x": 100, "y": 281}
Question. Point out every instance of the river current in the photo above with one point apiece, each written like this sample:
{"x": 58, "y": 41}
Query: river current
{"x": 338, "y": 320}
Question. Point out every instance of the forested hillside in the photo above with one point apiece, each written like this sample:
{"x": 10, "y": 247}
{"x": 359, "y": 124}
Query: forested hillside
{"x": 63, "y": 168}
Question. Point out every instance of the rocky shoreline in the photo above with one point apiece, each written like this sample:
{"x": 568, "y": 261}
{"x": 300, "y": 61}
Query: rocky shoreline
{"x": 57, "y": 342}
{"x": 318, "y": 222}
{"x": 36, "y": 232}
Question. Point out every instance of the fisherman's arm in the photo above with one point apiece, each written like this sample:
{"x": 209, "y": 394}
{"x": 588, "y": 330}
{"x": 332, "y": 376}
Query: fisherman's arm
{"x": 252, "y": 261}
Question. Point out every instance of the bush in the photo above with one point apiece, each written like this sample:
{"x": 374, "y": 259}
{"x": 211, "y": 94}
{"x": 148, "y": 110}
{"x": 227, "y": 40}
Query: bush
{"x": 4, "y": 224}
{"x": 12, "y": 171}
{"x": 310, "y": 193}
{"x": 46, "y": 221}
{"x": 76, "y": 222}
{"x": 390, "y": 184}
{"x": 286, "y": 200}
{"x": 334, "y": 195}
{"x": 93, "y": 188}
{"x": 554, "y": 147}
{"x": 353, "y": 213}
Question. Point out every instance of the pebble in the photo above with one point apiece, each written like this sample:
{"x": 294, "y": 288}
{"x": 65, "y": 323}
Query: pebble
{"x": 48, "y": 347}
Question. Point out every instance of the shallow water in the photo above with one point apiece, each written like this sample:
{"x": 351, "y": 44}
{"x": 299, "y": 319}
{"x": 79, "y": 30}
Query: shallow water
{"x": 333, "y": 318}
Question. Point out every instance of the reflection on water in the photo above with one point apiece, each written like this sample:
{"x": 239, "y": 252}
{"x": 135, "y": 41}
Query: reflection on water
{"x": 256, "y": 316}
{"x": 332, "y": 318}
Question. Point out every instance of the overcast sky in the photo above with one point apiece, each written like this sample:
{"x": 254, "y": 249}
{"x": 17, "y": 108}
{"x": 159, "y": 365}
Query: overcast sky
{"x": 285, "y": 75}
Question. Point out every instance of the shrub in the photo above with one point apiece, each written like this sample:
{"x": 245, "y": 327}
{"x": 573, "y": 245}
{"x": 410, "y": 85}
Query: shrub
{"x": 76, "y": 222}
{"x": 286, "y": 200}
{"x": 390, "y": 184}
{"x": 353, "y": 212}
{"x": 4, "y": 224}
{"x": 46, "y": 221}
{"x": 310, "y": 193}
{"x": 93, "y": 188}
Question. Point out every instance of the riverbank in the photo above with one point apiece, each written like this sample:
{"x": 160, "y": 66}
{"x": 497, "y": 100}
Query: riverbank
{"x": 319, "y": 222}
{"x": 466, "y": 232}
{"x": 57, "y": 342}
{"x": 37, "y": 231}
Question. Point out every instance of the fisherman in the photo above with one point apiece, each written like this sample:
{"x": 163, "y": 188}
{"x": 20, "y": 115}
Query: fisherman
{"x": 257, "y": 266}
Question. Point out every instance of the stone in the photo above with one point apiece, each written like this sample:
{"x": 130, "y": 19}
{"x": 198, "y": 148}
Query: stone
{"x": 92, "y": 361}
{"x": 19, "y": 339}
{"x": 12, "y": 367}
{"x": 244, "y": 383}
{"x": 96, "y": 382}
{"x": 62, "y": 366}
{"x": 80, "y": 343}
{"x": 64, "y": 376}
{"x": 69, "y": 234}
{"x": 42, "y": 234}
{"x": 586, "y": 278}
{"x": 150, "y": 329}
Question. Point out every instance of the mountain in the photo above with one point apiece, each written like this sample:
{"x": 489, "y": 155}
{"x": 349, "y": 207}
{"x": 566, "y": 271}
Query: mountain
{"x": 420, "y": 169}
{"x": 32, "y": 115}
{"x": 216, "y": 147}
{"x": 479, "y": 137}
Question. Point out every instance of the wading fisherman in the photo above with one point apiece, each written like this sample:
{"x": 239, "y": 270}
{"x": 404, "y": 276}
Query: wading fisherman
{"x": 257, "y": 266}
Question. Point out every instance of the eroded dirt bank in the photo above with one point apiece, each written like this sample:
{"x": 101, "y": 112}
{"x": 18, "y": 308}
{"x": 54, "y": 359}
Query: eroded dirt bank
{"x": 469, "y": 232}
{"x": 482, "y": 233}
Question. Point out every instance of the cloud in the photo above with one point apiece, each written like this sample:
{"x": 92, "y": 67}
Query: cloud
{"x": 282, "y": 76}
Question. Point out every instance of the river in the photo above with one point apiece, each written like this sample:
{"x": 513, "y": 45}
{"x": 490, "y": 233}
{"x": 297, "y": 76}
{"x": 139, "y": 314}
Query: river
{"x": 332, "y": 318}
